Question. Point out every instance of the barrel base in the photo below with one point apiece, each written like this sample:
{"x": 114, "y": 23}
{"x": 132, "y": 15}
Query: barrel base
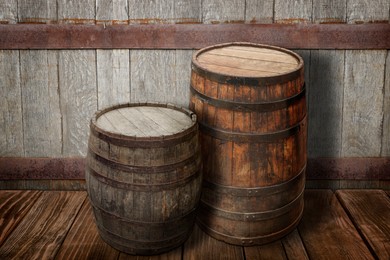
{"x": 249, "y": 241}
{"x": 127, "y": 246}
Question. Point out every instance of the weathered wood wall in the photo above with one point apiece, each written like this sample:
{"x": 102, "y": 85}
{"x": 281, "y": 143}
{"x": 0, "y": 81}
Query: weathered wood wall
{"x": 48, "y": 96}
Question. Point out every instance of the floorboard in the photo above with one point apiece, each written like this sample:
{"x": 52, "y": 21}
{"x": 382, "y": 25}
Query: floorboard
{"x": 369, "y": 210}
{"x": 347, "y": 224}
{"x": 293, "y": 246}
{"x": 202, "y": 246}
{"x": 42, "y": 230}
{"x": 83, "y": 240}
{"x": 14, "y": 206}
{"x": 269, "y": 251}
{"x": 326, "y": 230}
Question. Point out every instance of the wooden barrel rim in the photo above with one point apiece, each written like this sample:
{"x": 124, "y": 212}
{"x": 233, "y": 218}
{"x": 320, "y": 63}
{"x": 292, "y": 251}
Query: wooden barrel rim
{"x": 252, "y": 81}
{"x": 145, "y": 142}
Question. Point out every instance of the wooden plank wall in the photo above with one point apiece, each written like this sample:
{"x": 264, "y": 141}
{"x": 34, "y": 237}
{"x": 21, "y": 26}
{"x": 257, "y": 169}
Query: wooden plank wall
{"x": 48, "y": 96}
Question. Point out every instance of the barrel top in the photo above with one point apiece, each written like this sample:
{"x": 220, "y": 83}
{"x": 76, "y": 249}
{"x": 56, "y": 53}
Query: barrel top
{"x": 247, "y": 60}
{"x": 144, "y": 121}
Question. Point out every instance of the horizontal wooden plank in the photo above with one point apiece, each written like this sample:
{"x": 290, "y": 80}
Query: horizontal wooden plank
{"x": 72, "y": 168}
{"x": 193, "y": 36}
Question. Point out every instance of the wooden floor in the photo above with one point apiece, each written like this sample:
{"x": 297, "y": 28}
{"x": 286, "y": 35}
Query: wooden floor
{"x": 347, "y": 224}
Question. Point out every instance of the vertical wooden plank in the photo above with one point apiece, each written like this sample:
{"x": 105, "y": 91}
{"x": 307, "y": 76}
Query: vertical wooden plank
{"x": 182, "y": 77}
{"x": 39, "y": 84}
{"x": 112, "y": 12}
{"x": 151, "y": 11}
{"x": 386, "y": 110}
{"x": 259, "y": 11}
{"x": 76, "y": 12}
{"x": 219, "y": 11}
{"x": 113, "y": 66}
{"x": 325, "y": 97}
{"x": 326, "y": 103}
{"x": 364, "y": 86}
{"x": 113, "y": 77}
{"x": 187, "y": 11}
{"x": 293, "y": 11}
{"x": 202, "y": 246}
{"x": 363, "y": 103}
{"x": 329, "y": 11}
{"x": 83, "y": 240}
{"x": 152, "y": 75}
{"x": 40, "y": 98}
{"x": 8, "y": 11}
{"x": 77, "y": 80}
{"x": 370, "y": 212}
{"x": 366, "y": 11}
{"x": 14, "y": 206}
{"x": 326, "y": 230}
{"x": 11, "y": 122}
{"x": 43, "y": 229}
{"x": 38, "y": 11}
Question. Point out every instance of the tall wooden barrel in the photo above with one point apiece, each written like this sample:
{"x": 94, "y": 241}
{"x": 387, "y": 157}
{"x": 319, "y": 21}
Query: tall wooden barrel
{"x": 251, "y": 108}
{"x": 144, "y": 176}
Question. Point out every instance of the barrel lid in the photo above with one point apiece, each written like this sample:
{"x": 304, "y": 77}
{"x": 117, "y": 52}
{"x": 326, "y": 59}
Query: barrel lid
{"x": 143, "y": 121}
{"x": 247, "y": 62}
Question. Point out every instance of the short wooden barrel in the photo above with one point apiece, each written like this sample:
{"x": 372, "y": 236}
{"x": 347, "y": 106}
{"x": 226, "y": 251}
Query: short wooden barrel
{"x": 251, "y": 108}
{"x": 144, "y": 176}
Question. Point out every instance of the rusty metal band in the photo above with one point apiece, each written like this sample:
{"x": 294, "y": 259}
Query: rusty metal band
{"x": 195, "y": 158}
{"x": 248, "y": 241}
{"x": 189, "y": 214}
{"x": 143, "y": 187}
{"x": 252, "y": 138}
{"x": 298, "y": 180}
{"x": 255, "y": 216}
{"x": 256, "y": 107}
{"x": 144, "y": 142}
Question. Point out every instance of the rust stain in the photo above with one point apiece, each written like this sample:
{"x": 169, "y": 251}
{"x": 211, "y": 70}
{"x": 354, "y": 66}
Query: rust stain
{"x": 371, "y": 22}
{"x": 164, "y": 21}
{"x": 330, "y": 21}
{"x": 37, "y": 20}
{"x": 76, "y": 21}
{"x": 292, "y": 21}
{"x": 111, "y": 22}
